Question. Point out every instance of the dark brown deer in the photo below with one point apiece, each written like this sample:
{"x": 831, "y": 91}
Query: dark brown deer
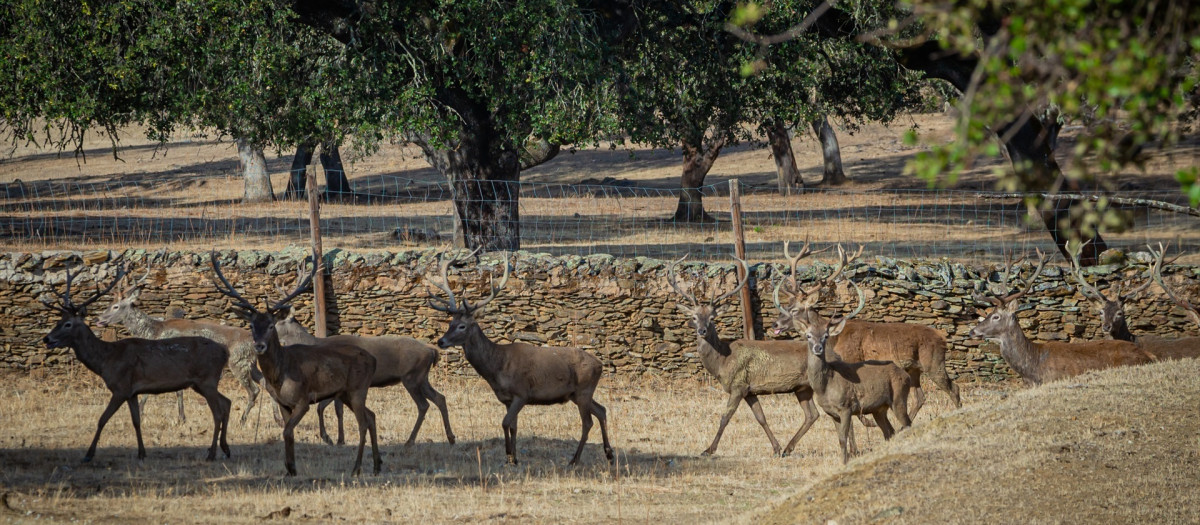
{"x": 844, "y": 389}
{"x": 124, "y": 311}
{"x": 918, "y": 349}
{"x": 298, "y": 375}
{"x": 1038, "y": 363}
{"x": 519, "y": 373}
{"x": 398, "y": 360}
{"x": 142, "y": 366}
{"x": 747, "y": 368}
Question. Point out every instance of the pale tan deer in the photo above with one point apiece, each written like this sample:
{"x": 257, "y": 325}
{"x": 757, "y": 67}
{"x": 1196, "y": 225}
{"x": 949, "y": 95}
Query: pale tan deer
{"x": 918, "y": 349}
{"x": 1038, "y": 363}
{"x": 844, "y": 389}
{"x": 746, "y": 368}
{"x": 519, "y": 373}
{"x": 142, "y": 366}
{"x": 299, "y": 375}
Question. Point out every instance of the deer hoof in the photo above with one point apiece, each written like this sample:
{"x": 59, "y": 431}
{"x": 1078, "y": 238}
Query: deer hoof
{"x": 86, "y": 459}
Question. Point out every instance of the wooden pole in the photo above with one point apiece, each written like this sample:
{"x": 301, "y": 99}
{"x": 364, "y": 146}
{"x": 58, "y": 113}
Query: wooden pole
{"x": 739, "y": 248}
{"x": 314, "y": 222}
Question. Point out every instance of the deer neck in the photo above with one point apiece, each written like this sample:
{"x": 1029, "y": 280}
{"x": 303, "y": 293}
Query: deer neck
{"x": 141, "y": 325}
{"x": 1023, "y": 355}
{"x": 92, "y": 351}
{"x": 713, "y": 351}
{"x": 273, "y": 361}
{"x": 1120, "y": 332}
{"x": 483, "y": 354}
{"x": 819, "y": 372}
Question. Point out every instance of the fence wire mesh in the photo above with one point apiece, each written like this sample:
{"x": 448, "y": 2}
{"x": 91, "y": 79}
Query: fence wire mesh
{"x": 624, "y": 220}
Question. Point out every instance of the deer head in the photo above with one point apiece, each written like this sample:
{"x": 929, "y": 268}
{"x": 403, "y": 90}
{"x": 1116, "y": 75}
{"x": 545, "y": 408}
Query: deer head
{"x": 1002, "y": 318}
{"x": 702, "y": 315}
{"x": 817, "y": 330}
{"x": 1156, "y": 272}
{"x": 71, "y": 326}
{"x": 123, "y": 306}
{"x": 462, "y": 315}
{"x": 1112, "y": 311}
{"x": 804, "y": 300}
{"x": 262, "y": 323}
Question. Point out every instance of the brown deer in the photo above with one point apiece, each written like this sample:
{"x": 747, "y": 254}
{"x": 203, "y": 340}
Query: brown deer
{"x": 746, "y": 368}
{"x": 124, "y": 311}
{"x": 918, "y": 349}
{"x": 844, "y": 388}
{"x": 398, "y": 360}
{"x": 1112, "y": 311}
{"x": 298, "y": 375}
{"x": 519, "y": 373}
{"x": 1178, "y": 348}
{"x": 142, "y": 366}
{"x": 1038, "y": 363}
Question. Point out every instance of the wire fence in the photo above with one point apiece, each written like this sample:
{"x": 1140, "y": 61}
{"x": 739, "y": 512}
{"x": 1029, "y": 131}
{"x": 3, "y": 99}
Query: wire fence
{"x": 622, "y": 219}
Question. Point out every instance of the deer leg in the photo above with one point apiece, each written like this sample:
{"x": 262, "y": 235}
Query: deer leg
{"x": 917, "y": 391}
{"x": 321, "y": 420}
{"x": 244, "y": 377}
{"x": 602, "y": 415}
{"x": 885, "y": 426}
{"x": 366, "y": 423}
{"x": 135, "y": 415}
{"x": 899, "y": 408}
{"x": 731, "y": 404}
{"x": 439, "y": 401}
{"x": 756, "y": 408}
{"x": 942, "y": 381}
{"x": 289, "y": 434}
{"x": 844, "y": 429}
{"x": 510, "y": 429}
{"x": 414, "y": 391}
{"x": 113, "y": 404}
{"x": 585, "y": 414}
{"x": 219, "y": 405}
{"x": 179, "y": 404}
{"x": 339, "y": 411}
{"x": 810, "y": 416}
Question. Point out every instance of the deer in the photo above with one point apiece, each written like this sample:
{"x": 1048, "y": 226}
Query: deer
{"x": 521, "y": 374}
{"x": 1038, "y": 363}
{"x": 398, "y": 360}
{"x": 1112, "y": 310}
{"x": 135, "y": 366}
{"x": 1177, "y": 348}
{"x": 918, "y": 349}
{"x": 845, "y": 388}
{"x": 298, "y": 375}
{"x": 124, "y": 311}
{"x": 746, "y": 368}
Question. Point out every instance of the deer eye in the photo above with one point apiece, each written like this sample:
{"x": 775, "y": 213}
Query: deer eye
{"x": 67, "y": 324}
{"x": 461, "y": 327}
{"x": 995, "y": 317}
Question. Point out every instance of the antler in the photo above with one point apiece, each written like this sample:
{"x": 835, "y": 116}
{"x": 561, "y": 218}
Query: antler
{"x": 675, "y": 285}
{"x": 304, "y": 286}
{"x": 1086, "y": 289}
{"x": 100, "y": 293}
{"x": 843, "y": 262}
{"x": 742, "y": 281}
{"x": 1156, "y": 274}
{"x": 1032, "y": 279}
{"x": 495, "y": 288}
{"x": 228, "y": 290}
{"x": 447, "y": 305}
{"x": 862, "y": 303}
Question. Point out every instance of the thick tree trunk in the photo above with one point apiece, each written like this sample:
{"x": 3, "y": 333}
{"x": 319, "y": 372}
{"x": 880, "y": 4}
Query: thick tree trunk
{"x": 785, "y": 162}
{"x": 336, "y": 183}
{"x": 830, "y": 152}
{"x": 298, "y": 175}
{"x": 1028, "y": 145}
{"x": 697, "y": 160}
{"x": 254, "y": 172}
{"x": 484, "y": 172}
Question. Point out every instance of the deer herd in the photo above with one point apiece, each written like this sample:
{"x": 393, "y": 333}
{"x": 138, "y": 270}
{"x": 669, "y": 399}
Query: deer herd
{"x": 849, "y": 368}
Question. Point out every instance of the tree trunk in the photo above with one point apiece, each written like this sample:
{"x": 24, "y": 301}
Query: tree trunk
{"x": 1029, "y": 148}
{"x": 254, "y": 171}
{"x": 830, "y": 152}
{"x": 298, "y": 175}
{"x": 336, "y": 183}
{"x": 484, "y": 172}
{"x": 698, "y": 158}
{"x": 785, "y": 161}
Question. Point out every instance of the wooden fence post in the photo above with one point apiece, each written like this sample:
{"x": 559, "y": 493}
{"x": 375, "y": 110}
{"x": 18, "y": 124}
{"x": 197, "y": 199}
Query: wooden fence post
{"x": 314, "y": 222}
{"x": 739, "y": 248}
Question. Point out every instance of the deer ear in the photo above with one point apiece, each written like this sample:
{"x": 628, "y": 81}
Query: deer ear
{"x": 1012, "y": 306}
{"x": 687, "y": 310}
{"x": 810, "y": 301}
{"x": 837, "y": 328}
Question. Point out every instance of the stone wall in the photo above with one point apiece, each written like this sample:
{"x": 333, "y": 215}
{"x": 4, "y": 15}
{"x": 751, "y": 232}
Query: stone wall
{"x": 622, "y": 310}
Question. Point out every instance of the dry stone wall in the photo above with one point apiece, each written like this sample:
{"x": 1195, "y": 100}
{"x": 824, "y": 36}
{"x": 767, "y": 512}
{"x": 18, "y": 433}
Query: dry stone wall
{"x": 621, "y": 310}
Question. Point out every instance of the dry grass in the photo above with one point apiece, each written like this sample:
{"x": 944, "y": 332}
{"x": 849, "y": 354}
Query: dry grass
{"x": 658, "y": 428}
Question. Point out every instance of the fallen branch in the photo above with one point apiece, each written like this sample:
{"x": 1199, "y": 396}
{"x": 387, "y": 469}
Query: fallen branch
{"x": 1146, "y": 203}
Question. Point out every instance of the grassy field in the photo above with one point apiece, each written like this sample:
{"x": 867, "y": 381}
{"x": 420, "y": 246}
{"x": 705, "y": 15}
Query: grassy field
{"x": 658, "y": 428}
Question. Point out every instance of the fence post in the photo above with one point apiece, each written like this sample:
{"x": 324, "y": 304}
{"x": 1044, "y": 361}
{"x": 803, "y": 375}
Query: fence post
{"x": 314, "y": 222}
{"x": 739, "y": 249}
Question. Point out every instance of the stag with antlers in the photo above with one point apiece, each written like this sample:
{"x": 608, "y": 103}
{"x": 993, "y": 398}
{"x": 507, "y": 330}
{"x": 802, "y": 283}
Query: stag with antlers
{"x": 918, "y": 349}
{"x": 124, "y": 311}
{"x": 134, "y": 366}
{"x": 1038, "y": 363}
{"x": 298, "y": 375}
{"x": 519, "y": 373}
{"x": 746, "y": 368}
